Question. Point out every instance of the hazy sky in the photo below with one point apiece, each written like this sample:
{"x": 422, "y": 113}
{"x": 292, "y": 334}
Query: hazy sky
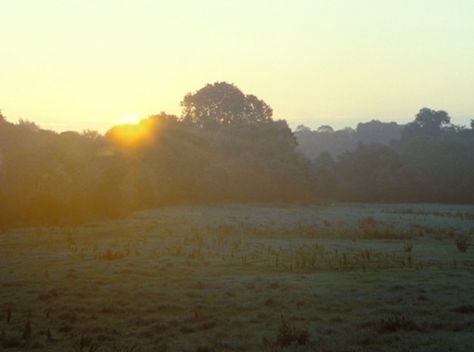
{"x": 70, "y": 64}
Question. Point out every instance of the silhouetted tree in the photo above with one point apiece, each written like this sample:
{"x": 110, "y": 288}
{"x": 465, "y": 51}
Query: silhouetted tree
{"x": 302, "y": 129}
{"x": 221, "y": 104}
{"x": 325, "y": 129}
{"x": 427, "y": 122}
{"x": 215, "y": 104}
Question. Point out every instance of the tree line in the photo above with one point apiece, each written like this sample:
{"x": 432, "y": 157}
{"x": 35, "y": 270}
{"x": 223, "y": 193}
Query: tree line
{"x": 431, "y": 161}
{"x": 311, "y": 143}
{"x": 225, "y": 147}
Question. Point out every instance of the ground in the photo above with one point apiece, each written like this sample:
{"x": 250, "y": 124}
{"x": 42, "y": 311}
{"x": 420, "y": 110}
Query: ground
{"x": 344, "y": 277}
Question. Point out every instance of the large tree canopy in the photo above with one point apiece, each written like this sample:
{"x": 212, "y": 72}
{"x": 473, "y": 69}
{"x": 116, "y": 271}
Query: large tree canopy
{"x": 221, "y": 104}
{"x": 427, "y": 122}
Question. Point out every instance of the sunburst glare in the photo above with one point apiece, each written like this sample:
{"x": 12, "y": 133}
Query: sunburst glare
{"x": 129, "y": 120}
{"x": 131, "y": 132}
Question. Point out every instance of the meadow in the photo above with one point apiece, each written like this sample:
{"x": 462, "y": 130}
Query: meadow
{"x": 342, "y": 277}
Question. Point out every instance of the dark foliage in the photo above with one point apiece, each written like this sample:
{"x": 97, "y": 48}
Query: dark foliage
{"x": 433, "y": 161}
{"x": 221, "y": 104}
{"x": 225, "y": 148}
{"x": 326, "y": 139}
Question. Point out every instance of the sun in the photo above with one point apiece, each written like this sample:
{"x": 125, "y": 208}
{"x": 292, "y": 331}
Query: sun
{"x": 129, "y": 120}
{"x": 132, "y": 131}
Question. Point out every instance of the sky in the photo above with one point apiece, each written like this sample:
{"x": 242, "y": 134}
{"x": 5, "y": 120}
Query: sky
{"x": 75, "y": 64}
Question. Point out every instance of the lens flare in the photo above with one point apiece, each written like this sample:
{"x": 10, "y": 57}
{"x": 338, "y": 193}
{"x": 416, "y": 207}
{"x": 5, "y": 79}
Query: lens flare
{"x": 132, "y": 132}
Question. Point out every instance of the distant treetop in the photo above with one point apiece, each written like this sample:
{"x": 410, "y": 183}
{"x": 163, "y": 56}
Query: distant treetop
{"x": 325, "y": 129}
{"x": 427, "y": 122}
{"x": 221, "y": 104}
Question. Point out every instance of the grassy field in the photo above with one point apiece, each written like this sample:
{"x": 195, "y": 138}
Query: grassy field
{"x": 244, "y": 278}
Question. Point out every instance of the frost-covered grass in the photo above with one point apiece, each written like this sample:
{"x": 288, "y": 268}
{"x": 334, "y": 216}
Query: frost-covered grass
{"x": 336, "y": 278}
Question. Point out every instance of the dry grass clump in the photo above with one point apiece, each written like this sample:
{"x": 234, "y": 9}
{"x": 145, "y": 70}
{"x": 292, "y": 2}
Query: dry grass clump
{"x": 408, "y": 246}
{"x": 462, "y": 244}
{"x": 11, "y": 342}
{"x": 110, "y": 254}
{"x": 464, "y": 309}
{"x": 396, "y": 323}
{"x": 287, "y": 335}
